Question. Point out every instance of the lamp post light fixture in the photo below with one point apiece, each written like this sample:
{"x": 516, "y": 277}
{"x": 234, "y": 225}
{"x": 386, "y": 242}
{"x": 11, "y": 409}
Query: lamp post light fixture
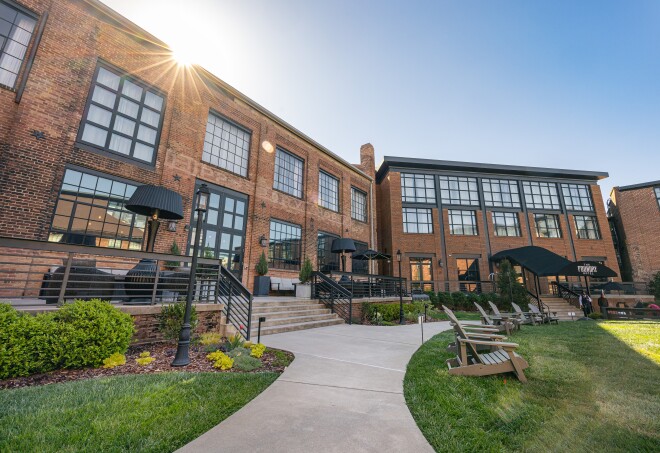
{"x": 398, "y": 258}
{"x": 201, "y": 205}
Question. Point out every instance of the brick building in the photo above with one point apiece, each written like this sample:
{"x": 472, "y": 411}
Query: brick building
{"x": 634, "y": 213}
{"x": 93, "y": 106}
{"x": 448, "y": 218}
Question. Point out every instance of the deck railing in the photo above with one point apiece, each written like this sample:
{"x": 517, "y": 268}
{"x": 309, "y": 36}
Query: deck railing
{"x": 335, "y": 297}
{"x": 368, "y": 285}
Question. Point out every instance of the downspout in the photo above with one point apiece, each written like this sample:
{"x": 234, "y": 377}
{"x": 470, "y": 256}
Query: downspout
{"x": 371, "y": 208}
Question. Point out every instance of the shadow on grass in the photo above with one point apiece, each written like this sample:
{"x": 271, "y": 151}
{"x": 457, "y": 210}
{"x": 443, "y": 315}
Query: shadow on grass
{"x": 592, "y": 386}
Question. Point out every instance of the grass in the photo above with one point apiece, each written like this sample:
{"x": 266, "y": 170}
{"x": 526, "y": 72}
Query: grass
{"x": 593, "y": 386}
{"x": 152, "y": 412}
{"x": 462, "y": 315}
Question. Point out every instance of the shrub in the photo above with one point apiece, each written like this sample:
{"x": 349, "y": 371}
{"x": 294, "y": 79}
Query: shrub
{"x": 114, "y": 360}
{"x": 170, "y": 319}
{"x": 508, "y": 286}
{"x": 221, "y": 360}
{"x": 443, "y": 298}
{"x": 380, "y": 314}
{"x": 459, "y": 300}
{"x": 83, "y": 333}
{"x": 238, "y": 352}
{"x": 262, "y": 265}
{"x": 235, "y": 341}
{"x": 433, "y": 298}
{"x": 654, "y": 286}
{"x": 306, "y": 271}
{"x": 247, "y": 363}
{"x": 174, "y": 250}
{"x": 595, "y": 315}
{"x": 258, "y": 350}
{"x": 144, "y": 359}
{"x": 210, "y": 338}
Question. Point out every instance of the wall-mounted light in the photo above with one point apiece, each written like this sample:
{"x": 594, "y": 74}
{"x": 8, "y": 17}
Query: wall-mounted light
{"x": 398, "y": 255}
{"x": 263, "y": 241}
{"x": 171, "y": 226}
{"x": 439, "y": 263}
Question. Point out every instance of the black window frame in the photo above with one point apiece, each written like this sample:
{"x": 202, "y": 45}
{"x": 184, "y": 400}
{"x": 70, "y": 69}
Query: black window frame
{"x": 498, "y": 184}
{"x": 656, "y": 190}
{"x": 356, "y": 203}
{"x": 421, "y": 263}
{"x": 279, "y": 262}
{"x": 507, "y": 226}
{"x": 447, "y": 193}
{"x": 32, "y": 15}
{"x": 360, "y": 266}
{"x": 567, "y": 192}
{"x": 418, "y": 182}
{"x": 542, "y": 217}
{"x": 146, "y": 87}
{"x": 590, "y": 230}
{"x": 277, "y": 182}
{"x": 428, "y": 213}
{"x": 453, "y": 214}
{"x": 328, "y": 199}
{"x": 245, "y": 130}
{"x": 471, "y": 269}
{"x": 529, "y": 196}
{"x": 326, "y": 261}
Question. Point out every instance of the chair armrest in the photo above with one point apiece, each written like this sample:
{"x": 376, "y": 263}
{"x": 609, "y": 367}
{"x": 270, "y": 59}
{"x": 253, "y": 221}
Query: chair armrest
{"x": 489, "y": 343}
{"x": 482, "y": 336}
{"x": 480, "y": 329}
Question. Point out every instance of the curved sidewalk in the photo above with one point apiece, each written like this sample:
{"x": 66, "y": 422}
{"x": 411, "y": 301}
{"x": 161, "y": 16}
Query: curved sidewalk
{"x": 342, "y": 393}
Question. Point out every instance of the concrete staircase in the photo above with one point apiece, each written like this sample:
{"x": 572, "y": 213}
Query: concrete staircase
{"x": 286, "y": 314}
{"x": 559, "y": 305}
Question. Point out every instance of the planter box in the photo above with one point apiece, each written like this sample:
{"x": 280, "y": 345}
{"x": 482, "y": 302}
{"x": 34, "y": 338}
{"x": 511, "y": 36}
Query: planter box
{"x": 261, "y": 285}
{"x": 304, "y": 291}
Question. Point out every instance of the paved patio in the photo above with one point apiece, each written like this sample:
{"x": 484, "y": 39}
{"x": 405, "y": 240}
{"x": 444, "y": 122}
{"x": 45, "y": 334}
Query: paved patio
{"x": 343, "y": 393}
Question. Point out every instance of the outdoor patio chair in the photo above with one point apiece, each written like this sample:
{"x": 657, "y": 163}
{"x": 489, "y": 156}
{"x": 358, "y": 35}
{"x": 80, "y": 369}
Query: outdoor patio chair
{"x": 547, "y": 317}
{"x": 471, "y": 362}
{"x": 527, "y": 317}
{"x": 503, "y": 324}
{"x": 513, "y": 317}
{"x": 479, "y": 332}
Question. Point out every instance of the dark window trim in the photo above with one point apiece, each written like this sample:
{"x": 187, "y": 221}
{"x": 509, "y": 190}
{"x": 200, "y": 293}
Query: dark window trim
{"x": 597, "y": 225}
{"x": 474, "y": 216}
{"x": 559, "y": 229}
{"x": 302, "y": 237}
{"x": 403, "y": 219}
{"x": 244, "y": 129}
{"x": 330, "y": 175}
{"x": 38, "y": 31}
{"x": 88, "y": 102}
{"x": 302, "y": 190}
{"x": 366, "y": 205}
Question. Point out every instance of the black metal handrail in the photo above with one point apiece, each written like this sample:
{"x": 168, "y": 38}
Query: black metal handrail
{"x": 336, "y": 297}
{"x": 566, "y": 293}
{"x": 237, "y": 300}
{"x": 368, "y": 285}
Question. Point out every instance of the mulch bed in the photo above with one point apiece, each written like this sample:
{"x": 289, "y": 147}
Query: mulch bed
{"x": 163, "y": 353}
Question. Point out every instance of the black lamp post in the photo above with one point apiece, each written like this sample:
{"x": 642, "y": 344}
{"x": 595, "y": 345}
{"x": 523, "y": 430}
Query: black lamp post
{"x": 201, "y": 206}
{"x": 398, "y": 258}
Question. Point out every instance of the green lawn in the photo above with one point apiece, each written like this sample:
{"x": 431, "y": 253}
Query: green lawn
{"x": 593, "y": 386}
{"x": 154, "y": 412}
{"x": 462, "y": 315}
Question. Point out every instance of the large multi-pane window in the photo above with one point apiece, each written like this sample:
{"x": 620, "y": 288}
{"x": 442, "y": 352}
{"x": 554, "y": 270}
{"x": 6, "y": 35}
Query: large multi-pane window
{"x": 586, "y": 227}
{"x": 501, "y": 193}
{"x": 16, "y": 29}
{"x": 421, "y": 274}
{"x": 91, "y": 210}
{"x": 459, "y": 190}
{"x": 328, "y": 191}
{"x": 463, "y": 222}
{"x": 547, "y": 225}
{"x": 506, "y": 224}
{"x": 541, "y": 195}
{"x": 417, "y": 220}
{"x": 226, "y": 145}
{"x": 657, "y": 195}
{"x": 223, "y": 232}
{"x": 123, "y": 116}
{"x": 358, "y": 205}
{"x": 284, "y": 246}
{"x": 325, "y": 259}
{"x": 288, "y": 173}
{"x": 360, "y": 266}
{"x": 416, "y": 188}
{"x": 468, "y": 274}
{"x": 577, "y": 197}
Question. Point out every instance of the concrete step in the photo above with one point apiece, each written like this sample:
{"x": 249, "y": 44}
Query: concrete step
{"x": 289, "y": 313}
{"x": 279, "y": 308}
{"x": 296, "y": 320}
{"x": 296, "y": 326}
{"x": 282, "y": 303}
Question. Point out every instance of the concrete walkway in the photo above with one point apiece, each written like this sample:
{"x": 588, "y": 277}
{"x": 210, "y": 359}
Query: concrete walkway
{"x": 342, "y": 393}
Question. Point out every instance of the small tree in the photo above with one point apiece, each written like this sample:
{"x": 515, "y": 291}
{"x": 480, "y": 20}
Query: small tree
{"x": 508, "y": 286}
{"x": 654, "y": 286}
{"x": 174, "y": 250}
{"x": 306, "y": 271}
{"x": 262, "y": 265}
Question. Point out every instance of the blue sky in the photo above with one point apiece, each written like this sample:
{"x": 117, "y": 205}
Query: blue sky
{"x": 545, "y": 83}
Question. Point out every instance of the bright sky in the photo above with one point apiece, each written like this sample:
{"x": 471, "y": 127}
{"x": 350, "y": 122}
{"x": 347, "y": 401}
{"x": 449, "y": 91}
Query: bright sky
{"x": 552, "y": 83}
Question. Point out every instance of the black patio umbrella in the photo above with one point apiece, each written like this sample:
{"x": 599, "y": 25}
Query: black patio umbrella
{"x": 611, "y": 286}
{"x": 156, "y": 203}
{"x": 587, "y": 269}
{"x": 370, "y": 255}
{"x": 342, "y": 246}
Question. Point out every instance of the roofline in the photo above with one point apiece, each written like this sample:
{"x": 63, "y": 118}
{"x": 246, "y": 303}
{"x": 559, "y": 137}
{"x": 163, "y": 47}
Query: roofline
{"x": 473, "y": 167}
{"x": 142, "y": 33}
{"x": 641, "y": 185}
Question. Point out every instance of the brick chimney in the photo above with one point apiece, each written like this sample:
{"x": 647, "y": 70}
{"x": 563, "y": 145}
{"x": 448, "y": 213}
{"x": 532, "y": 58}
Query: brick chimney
{"x": 368, "y": 159}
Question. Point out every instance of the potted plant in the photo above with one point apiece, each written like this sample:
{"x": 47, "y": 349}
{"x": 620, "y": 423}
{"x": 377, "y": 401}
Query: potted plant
{"x": 174, "y": 250}
{"x": 261, "y": 281}
{"x": 304, "y": 288}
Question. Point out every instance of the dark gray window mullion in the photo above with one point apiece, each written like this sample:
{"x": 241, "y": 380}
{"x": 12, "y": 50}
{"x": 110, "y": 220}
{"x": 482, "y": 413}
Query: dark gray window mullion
{"x": 482, "y": 204}
{"x": 441, "y": 224}
{"x": 115, "y": 109}
{"x": 562, "y": 206}
{"x": 523, "y": 205}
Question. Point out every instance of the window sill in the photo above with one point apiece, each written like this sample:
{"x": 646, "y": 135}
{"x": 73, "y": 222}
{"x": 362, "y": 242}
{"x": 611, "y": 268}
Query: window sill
{"x": 116, "y": 156}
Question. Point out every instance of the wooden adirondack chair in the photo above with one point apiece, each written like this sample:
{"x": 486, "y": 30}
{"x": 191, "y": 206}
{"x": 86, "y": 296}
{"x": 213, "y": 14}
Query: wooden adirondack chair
{"x": 479, "y": 332}
{"x": 471, "y": 362}
{"x": 547, "y": 317}
{"x": 513, "y": 317}
{"x": 527, "y": 317}
{"x": 504, "y": 325}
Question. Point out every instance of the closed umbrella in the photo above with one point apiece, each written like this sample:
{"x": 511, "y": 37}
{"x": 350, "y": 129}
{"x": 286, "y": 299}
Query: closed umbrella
{"x": 371, "y": 255}
{"x": 342, "y": 246}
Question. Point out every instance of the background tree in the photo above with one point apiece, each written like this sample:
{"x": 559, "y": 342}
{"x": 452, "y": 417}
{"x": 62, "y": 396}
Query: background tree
{"x": 508, "y": 286}
{"x": 654, "y": 286}
{"x": 262, "y": 265}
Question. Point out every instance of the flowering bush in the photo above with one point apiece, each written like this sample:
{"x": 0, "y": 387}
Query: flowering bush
{"x": 144, "y": 359}
{"x": 235, "y": 341}
{"x": 114, "y": 360}
{"x": 221, "y": 360}
{"x": 210, "y": 338}
{"x": 258, "y": 350}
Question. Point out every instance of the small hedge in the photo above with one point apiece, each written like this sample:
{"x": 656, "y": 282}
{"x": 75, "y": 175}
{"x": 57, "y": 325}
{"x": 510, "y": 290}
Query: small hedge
{"x": 80, "y": 334}
{"x": 390, "y": 312}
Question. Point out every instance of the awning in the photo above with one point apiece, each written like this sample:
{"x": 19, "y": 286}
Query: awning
{"x": 538, "y": 260}
{"x": 587, "y": 269}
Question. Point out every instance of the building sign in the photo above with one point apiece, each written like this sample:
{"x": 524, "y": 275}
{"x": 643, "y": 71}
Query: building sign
{"x": 587, "y": 269}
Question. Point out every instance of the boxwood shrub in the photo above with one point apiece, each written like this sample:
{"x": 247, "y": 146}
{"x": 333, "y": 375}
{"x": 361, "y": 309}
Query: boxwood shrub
{"x": 80, "y": 334}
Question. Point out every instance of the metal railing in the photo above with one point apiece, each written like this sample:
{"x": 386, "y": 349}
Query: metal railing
{"x": 566, "y": 293}
{"x": 36, "y": 273}
{"x": 613, "y": 288}
{"x": 452, "y": 286}
{"x": 335, "y": 297}
{"x": 631, "y": 313}
{"x": 237, "y": 302}
{"x": 367, "y": 285}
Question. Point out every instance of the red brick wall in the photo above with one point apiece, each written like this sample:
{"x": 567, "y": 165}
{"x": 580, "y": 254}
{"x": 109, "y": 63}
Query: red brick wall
{"x": 638, "y": 217}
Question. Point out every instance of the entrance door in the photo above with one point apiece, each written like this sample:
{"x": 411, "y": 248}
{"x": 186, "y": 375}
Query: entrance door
{"x": 421, "y": 274}
{"x": 223, "y": 235}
